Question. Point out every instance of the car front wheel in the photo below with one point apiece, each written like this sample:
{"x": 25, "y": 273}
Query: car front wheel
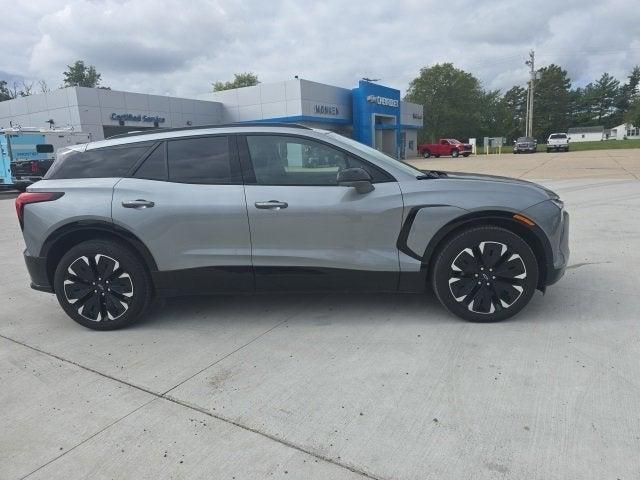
{"x": 485, "y": 274}
{"x": 102, "y": 285}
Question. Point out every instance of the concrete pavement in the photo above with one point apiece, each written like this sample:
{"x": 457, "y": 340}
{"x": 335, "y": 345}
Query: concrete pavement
{"x": 597, "y": 164}
{"x": 343, "y": 386}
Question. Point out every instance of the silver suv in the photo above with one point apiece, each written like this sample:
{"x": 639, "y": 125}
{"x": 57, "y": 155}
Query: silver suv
{"x": 268, "y": 207}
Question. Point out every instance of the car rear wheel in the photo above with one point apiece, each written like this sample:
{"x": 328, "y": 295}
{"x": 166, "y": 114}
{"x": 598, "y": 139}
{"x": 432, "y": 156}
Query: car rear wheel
{"x": 465, "y": 155}
{"x": 102, "y": 285}
{"x": 485, "y": 274}
{"x": 455, "y": 153}
{"x": 426, "y": 154}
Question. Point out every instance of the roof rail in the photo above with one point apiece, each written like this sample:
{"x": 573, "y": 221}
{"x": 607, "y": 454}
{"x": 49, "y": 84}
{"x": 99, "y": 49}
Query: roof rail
{"x": 203, "y": 127}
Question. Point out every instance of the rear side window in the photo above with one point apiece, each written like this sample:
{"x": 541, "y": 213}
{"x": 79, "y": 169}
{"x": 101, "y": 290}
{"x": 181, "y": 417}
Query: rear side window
{"x": 201, "y": 160}
{"x": 154, "y": 166}
{"x": 98, "y": 163}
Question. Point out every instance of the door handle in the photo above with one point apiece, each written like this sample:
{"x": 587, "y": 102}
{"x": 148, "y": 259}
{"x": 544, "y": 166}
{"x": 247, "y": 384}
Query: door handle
{"x": 271, "y": 205}
{"x": 139, "y": 203}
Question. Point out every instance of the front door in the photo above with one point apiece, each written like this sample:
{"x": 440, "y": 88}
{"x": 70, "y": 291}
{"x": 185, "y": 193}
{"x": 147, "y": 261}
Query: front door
{"x": 309, "y": 233}
{"x": 186, "y": 204}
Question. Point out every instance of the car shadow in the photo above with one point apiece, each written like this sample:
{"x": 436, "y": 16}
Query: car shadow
{"x": 315, "y": 308}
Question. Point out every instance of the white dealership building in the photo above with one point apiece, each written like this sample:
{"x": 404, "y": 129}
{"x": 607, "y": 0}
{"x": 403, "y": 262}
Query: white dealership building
{"x": 370, "y": 113}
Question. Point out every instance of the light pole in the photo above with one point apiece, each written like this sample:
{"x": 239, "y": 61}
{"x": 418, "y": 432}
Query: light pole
{"x": 532, "y": 72}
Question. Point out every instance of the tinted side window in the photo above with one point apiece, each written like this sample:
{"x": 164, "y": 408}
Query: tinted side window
{"x": 44, "y": 148}
{"x": 154, "y": 166}
{"x": 281, "y": 160}
{"x": 97, "y": 163}
{"x": 201, "y": 160}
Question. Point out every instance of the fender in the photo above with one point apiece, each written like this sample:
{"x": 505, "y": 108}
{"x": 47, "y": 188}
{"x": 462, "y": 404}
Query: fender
{"x": 534, "y": 235}
{"x": 88, "y": 226}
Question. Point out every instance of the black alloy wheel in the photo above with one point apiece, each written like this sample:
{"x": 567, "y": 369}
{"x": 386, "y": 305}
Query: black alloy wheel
{"x": 485, "y": 274}
{"x": 102, "y": 285}
{"x": 98, "y": 287}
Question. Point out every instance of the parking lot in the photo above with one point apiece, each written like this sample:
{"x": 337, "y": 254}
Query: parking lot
{"x": 342, "y": 386}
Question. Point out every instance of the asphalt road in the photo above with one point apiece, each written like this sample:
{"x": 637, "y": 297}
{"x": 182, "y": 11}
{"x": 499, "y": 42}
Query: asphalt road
{"x": 343, "y": 386}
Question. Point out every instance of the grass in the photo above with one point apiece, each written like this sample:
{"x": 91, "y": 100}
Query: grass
{"x": 580, "y": 146}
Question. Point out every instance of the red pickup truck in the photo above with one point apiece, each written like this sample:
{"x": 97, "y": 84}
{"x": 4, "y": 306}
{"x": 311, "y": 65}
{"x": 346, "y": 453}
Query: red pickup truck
{"x": 445, "y": 146}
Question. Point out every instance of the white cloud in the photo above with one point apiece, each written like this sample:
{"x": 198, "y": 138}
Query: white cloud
{"x": 180, "y": 47}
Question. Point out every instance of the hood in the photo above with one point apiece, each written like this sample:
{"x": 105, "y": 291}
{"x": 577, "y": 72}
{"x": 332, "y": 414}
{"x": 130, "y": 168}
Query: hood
{"x": 498, "y": 179}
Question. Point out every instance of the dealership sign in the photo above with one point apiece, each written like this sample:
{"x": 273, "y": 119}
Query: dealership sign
{"x": 130, "y": 117}
{"x": 326, "y": 110}
{"x": 388, "y": 102}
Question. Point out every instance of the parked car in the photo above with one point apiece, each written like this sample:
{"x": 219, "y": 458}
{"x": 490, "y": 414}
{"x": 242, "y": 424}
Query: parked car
{"x": 525, "y": 144}
{"x": 445, "y": 146}
{"x": 558, "y": 142}
{"x": 238, "y": 208}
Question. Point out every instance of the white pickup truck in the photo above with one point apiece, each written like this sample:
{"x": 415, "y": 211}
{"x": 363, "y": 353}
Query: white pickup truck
{"x": 557, "y": 142}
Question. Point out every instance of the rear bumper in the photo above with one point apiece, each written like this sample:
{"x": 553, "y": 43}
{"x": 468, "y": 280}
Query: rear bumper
{"x": 37, "y": 268}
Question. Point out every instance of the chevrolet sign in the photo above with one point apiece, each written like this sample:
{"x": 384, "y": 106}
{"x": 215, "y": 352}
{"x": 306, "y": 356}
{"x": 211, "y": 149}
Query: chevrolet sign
{"x": 388, "y": 102}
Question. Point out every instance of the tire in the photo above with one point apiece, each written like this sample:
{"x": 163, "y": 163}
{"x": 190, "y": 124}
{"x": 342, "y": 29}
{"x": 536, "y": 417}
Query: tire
{"x": 465, "y": 155}
{"x": 491, "y": 248}
{"x": 426, "y": 154}
{"x": 117, "y": 300}
{"x": 437, "y": 156}
{"x": 455, "y": 154}
{"x": 22, "y": 187}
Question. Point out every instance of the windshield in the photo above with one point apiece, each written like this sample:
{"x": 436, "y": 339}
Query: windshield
{"x": 384, "y": 159}
{"x": 525, "y": 139}
{"x": 557, "y": 135}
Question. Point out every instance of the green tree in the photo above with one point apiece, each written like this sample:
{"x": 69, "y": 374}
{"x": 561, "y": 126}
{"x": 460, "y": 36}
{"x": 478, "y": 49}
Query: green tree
{"x": 81, "y": 75}
{"x": 5, "y": 94}
{"x": 452, "y": 100}
{"x": 551, "y": 101}
{"x": 605, "y": 93}
{"x": 629, "y": 93}
{"x": 632, "y": 115}
{"x": 246, "y": 79}
{"x": 513, "y": 110}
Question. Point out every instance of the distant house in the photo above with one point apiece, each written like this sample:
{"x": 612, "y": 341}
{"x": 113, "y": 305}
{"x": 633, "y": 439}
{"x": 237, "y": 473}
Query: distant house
{"x": 626, "y": 130}
{"x": 586, "y": 134}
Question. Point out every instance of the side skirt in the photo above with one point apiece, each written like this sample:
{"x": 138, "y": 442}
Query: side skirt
{"x": 246, "y": 279}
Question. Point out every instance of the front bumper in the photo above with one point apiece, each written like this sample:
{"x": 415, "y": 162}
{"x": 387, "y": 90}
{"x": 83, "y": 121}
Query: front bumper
{"x": 556, "y": 271}
{"x": 37, "y": 268}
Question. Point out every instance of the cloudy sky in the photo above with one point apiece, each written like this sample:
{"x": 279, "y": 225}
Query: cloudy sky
{"x": 180, "y": 47}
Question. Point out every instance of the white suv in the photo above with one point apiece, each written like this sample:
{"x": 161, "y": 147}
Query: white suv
{"x": 558, "y": 141}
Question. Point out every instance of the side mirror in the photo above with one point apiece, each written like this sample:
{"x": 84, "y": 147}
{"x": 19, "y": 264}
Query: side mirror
{"x": 357, "y": 178}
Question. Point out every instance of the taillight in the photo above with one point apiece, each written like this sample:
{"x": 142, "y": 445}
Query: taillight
{"x": 34, "y": 167}
{"x": 33, "y": 197}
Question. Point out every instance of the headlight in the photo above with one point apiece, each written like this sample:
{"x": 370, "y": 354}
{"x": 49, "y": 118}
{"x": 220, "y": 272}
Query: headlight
{"x": 558, "y": 203}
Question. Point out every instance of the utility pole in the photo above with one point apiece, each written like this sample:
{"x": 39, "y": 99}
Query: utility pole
{"x": 532, "y": 73}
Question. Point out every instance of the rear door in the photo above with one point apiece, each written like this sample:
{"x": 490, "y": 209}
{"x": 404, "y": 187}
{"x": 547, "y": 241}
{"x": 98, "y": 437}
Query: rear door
{"x": 186, "y": 203}
{"x": 308, "y": 232}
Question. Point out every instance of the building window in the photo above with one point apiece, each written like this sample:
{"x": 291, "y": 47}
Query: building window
{"x": 411, "y": 143}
